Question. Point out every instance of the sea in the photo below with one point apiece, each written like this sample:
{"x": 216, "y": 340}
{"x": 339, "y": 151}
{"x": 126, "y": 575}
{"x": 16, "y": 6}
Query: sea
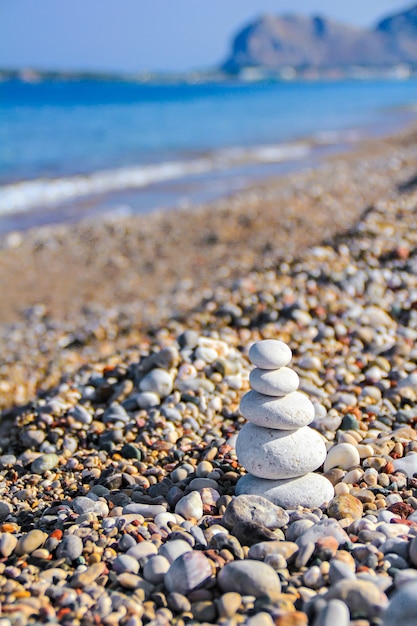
{"x": 73, "y": 149}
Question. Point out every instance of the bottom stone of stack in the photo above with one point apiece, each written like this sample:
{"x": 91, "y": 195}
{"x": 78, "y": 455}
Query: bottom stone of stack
{"x": 310, "y": 490}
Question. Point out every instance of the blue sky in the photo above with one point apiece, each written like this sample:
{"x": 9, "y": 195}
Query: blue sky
{"x": 140, "y": 35}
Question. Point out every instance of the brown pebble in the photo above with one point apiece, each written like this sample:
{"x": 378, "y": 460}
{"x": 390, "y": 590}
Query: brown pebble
{"x": 345, "y": 506}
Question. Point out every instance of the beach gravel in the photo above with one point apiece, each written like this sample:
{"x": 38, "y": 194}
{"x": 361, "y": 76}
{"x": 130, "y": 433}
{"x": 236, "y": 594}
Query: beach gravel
{"x": 119, "y": 478}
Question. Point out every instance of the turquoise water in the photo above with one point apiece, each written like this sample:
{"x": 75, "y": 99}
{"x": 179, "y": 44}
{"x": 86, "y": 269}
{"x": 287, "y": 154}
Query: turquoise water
{"x": 134, "y": 147}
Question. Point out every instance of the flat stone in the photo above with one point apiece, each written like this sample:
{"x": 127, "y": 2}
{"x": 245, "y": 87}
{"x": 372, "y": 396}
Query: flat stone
{"x": 254, "y": 509}
{"x": 362, "y": 597}
{"x": 343, "y": 455}
{"x": 259, "y": 551}
{"x": 407, "y": 464}
{"x": 188, "y": 572}
{"x": 250, "y": 578}
{"x": 287, "y": 413}
{"x": 311, "y": 490}
{"x": 147, "y": 510}
{"x": 402, "y": 609}
{"x": 89, "y": 576}
{"x": 276, "y": 455}
{"x": 270, "y": 354}
{"x": 278, "y": 382}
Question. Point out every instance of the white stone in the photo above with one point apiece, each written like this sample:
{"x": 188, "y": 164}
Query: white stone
{"x": 270, "y": 354}
{"x": 157, "y": 381}
{"x": 407, "y": 464}
{"x": 343, "y": 455}
{"x": 278, "y": 382}
{"x": 190, "y": 506}
{"x": 279, "y": 454}
{"x": 310, "y": 490}
{"x": 287, "y": 413}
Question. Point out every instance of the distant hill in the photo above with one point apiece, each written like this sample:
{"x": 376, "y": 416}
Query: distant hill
{"x": 273, "y": 42}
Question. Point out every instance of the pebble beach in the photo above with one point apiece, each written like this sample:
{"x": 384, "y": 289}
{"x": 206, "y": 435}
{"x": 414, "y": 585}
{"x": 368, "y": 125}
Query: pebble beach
{"x": 124, "y": 358}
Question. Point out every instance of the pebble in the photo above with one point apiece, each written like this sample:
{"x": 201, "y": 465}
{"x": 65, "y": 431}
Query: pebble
{"x": 190, "y": 506}
{"x": 407, "y": 464}
{"x": 256, "y": 509}
{"x": 8, "y": 543}
{"x": 324, "y": 528}
{"x": 363, "y": 598}
{"x": 270, "y": 354}
{"x": 174, "y": 548}
{"x": 29, "y": 542}
{"x": 5, "y": 510}
{"x": 44, "y": 462}
{"x": 275, "y": 454}
{"x": 157, "y": 381}
{"x": 335, "y": 613}
{"x": 228, "y": 604}
{"x": 274, "y": 382}
{"x": 343, "y": 455}
{"x": 402, "y": 608}
{"x": 155, "y": 569}
{"x": 294, "y": 410}
{"x": 250, "y": 578}
{"x": 71, "y": 547}
{"x": 310, "y": 490}
{"x": 345, "y": 506}
{"x": 188, "y": 572}
{"x": 125, "y": 563}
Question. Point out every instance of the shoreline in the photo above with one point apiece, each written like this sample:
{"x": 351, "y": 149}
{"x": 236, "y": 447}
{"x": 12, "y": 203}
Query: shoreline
{"x": 75, "y": 292}
{"x": 137, "y": 255}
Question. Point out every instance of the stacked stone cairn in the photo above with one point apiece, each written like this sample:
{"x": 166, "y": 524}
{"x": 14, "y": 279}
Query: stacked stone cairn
{"x": 276, "y": 446}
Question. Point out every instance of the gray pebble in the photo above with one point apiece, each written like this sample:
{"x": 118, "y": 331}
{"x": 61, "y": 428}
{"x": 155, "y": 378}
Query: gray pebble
{"x": 339, "y": 570}
{"x": 335, "y": 613}
{"x": 5, "y": 510}
{"x": 189, "y": 571}
{"x": 250, "y": 578}
{"x": 174, "y": 548}
{"x": 43, "y": 463}
{"x": 155, "y": 569}
{"x": 71, "y": 547}
{"x": 125, "y": 563}
{"x": 324, "y": 528}
{"x": 157, "y": 381}
{"x": 256, "y": 509}
{"x": 402, "y": 608}
{"x": 147, "y": 510}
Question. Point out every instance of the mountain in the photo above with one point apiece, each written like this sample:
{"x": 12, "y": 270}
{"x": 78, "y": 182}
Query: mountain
{"x": 273, "y": 42}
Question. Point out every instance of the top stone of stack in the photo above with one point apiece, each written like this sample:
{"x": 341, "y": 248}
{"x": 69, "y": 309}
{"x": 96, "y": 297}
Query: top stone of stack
{"x": 270, "y": 354}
